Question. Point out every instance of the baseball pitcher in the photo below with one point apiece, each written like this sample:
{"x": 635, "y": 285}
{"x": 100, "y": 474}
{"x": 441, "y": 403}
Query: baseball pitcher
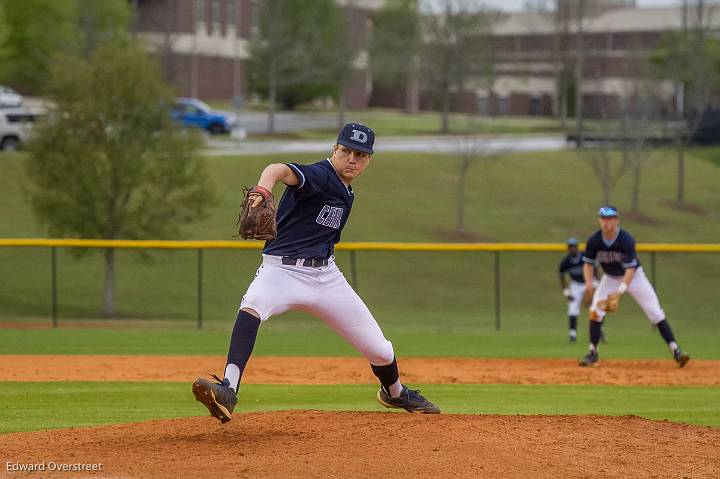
{"x": 298, "y": 270}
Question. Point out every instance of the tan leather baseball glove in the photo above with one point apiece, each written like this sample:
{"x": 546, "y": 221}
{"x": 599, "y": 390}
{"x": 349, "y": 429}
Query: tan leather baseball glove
{"x": 611, "y": 304}
{"x": 257, "y": 215}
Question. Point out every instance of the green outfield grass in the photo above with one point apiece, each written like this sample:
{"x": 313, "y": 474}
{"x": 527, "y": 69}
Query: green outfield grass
{"x": 280, "y": 338}
{"x": 36, "y": 406}
{"x": 402, "y": 197}
{"x": 430, "y": 304}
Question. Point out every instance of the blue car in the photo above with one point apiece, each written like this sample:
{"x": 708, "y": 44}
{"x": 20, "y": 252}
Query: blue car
{"x": 192, "y": 112}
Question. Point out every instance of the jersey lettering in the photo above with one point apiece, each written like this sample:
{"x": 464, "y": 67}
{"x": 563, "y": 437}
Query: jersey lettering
{"x": 330, "y": 216}
{"x": 609, "y": 256}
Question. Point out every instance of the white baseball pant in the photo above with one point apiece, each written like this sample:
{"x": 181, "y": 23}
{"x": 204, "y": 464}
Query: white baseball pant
{"x": 576, "y": 292}
{"x": 323, "y": 292}
{"x": 639, "y": 288}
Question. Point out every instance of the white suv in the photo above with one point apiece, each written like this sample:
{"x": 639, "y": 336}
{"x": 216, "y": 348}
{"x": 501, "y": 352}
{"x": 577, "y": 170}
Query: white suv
{"x": 9, "y": 98}
{"x": 15, "y": 127}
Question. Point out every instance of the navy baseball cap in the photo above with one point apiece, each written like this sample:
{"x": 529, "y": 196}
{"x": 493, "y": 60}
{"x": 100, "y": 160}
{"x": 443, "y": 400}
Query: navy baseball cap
{"x": 571, "y": 242}
{"x": 607, "y": 211}
{"x": 357, "y": 136}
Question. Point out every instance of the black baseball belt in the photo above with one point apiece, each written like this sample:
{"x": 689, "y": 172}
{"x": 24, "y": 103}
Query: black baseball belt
{"x": 310, "y": 262}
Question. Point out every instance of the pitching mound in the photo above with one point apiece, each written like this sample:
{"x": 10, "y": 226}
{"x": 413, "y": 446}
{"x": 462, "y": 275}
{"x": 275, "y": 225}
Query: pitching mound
{"x": 347, "y": 444}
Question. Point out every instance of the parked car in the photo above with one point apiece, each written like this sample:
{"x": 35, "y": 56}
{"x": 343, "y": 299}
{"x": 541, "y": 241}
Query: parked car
{"x": 15, "y": 127}
{"x": 192, "y": 112}
{"x": 9, "y": 98}
{"x": 707, "y": 131}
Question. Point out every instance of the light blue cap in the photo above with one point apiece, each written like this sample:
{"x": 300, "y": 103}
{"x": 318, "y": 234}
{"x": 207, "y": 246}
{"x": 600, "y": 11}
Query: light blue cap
{"x": 607, "y": 211}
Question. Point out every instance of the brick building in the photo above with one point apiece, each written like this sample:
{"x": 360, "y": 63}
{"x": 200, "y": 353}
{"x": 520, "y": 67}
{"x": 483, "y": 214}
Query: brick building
{"x": 203, "y": 44}
{"x": 533, "y": 51}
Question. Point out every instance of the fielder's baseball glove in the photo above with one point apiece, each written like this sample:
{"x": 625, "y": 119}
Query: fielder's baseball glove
{"x": 257, "y": 215}
{"x": 610, "y": 304}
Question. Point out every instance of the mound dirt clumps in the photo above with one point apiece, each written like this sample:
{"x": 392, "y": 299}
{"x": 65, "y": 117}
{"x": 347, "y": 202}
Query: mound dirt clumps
{"x": 289, "y": 444}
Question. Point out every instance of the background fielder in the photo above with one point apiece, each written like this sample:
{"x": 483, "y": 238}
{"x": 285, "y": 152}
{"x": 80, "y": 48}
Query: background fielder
{"x": 613, "y": 248}
{"x": 572, "y": 265}
{"x": 298, "y": 272}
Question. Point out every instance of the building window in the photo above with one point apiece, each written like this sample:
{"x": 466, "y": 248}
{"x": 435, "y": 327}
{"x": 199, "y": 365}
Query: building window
{"x": 535, "y": 106}
{"x": 200, "y": 11}
{"x": 483, "y": 105}
{"x": 231, "y": 14}
{"x": 503, "y": 105}
{"x": 215, "y": 12}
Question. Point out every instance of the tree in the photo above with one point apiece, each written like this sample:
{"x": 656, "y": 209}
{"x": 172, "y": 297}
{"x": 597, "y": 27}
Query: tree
{"x": 580, "y": 12}
{"x": 345, "y": 50}
{"x": 627, "y": 140}
{"x": 291, "y": 57}
{"x": 107, "y": 163}
{"x": 606, "y": 163}
{"x": 451, "y": 52}
{"x": 99, "y": 22}
{"x": 471, "y": 150}
{"x": 608, "y": 170}
{"x": 4, "y": 50}
{"x": 40, "y": 29}
{"x": 395, "y": 46}
{"x": 563, "y": 61}
{"x": 691, "y": 59}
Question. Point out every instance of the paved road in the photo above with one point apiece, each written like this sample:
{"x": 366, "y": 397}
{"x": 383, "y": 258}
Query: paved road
{"x": 423, "y": 144}
{"x": 285, "y": 122}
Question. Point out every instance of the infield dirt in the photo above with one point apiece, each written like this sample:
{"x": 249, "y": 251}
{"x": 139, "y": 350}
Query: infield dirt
{"x": 289, "y": 444}
{"x": 348, "y": 370}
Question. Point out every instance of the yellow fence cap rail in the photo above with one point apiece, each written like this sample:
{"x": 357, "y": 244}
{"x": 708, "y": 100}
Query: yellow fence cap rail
{"x": 347, "y": 246}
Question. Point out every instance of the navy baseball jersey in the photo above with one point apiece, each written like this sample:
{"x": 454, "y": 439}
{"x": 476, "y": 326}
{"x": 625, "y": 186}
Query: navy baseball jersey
{"x": 614, "y": 256}
{"x": 311, "y": 214}
{"x": 573, "y": 265}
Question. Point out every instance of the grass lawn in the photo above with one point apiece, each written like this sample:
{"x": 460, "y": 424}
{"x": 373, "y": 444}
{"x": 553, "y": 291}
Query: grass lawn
{"x": 394, "y": 122}
{"x": 35, "y": 406}
{"x": 279, "y": 337}
{"x": 397, "y": 123}
{"x": 431, "y": 304}
{"x": 402, "y": 197}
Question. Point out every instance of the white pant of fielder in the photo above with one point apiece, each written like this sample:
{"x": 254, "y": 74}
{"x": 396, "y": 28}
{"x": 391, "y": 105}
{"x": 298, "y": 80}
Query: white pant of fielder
{"x": 639, "y": 288}
{"x": 576, "y": 293}
{"x": 323, "y": 292}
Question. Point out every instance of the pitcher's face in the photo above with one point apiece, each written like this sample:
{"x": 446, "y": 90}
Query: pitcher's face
{"x": 349, "y": 163}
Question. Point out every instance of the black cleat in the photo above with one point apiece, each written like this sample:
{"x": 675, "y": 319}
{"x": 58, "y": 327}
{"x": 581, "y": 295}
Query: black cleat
{"x": 589, "y": 360}
{"x": 218, "y": 397}
{"x": 409, "y": 400}
{"x": 680, "y": 357}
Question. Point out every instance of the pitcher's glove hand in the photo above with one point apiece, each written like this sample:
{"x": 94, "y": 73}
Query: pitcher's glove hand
{"x": 257, "y": 214}
{"x": 610, "y": 304}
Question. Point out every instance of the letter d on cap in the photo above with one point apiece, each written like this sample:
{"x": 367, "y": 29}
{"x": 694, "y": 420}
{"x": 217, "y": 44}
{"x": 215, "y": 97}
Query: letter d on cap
{"x": 359, "y": 136}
